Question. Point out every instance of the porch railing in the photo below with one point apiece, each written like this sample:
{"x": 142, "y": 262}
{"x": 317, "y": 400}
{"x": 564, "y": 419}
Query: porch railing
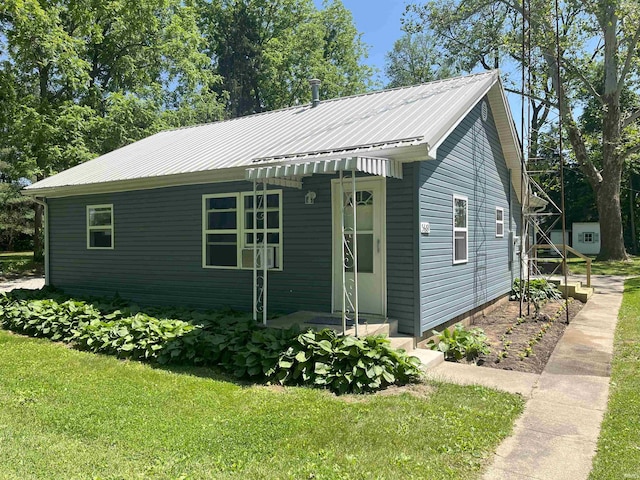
{"x": 560, "y": 248}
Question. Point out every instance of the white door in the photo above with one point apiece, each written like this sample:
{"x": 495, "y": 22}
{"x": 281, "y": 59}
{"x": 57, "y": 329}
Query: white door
{"x": 370, "y": 223}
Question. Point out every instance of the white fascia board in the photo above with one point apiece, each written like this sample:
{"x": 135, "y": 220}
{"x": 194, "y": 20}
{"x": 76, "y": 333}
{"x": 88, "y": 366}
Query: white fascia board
{"x": 147, "y": 183}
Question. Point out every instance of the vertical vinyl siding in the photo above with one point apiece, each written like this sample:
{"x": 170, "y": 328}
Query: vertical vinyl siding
{"x": 158, "y": 250}
{"x": 469, "y": 163}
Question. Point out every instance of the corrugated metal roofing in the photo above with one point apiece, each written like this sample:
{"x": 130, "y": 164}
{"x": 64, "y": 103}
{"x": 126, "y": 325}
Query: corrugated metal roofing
{"x": 422, "y": 114}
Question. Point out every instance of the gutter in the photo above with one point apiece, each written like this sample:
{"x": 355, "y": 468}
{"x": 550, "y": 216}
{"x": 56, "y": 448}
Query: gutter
{"x": 45, "y": 205}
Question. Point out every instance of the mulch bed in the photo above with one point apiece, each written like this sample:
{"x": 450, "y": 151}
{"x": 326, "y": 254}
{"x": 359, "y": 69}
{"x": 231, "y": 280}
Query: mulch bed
{"x": 524, "y": 345}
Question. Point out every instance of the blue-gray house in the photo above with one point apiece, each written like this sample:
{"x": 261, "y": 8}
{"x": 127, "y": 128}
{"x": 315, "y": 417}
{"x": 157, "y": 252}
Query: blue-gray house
{"x": 399, "y": 204}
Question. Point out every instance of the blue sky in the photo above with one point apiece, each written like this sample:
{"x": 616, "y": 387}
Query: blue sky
{"x": 379, "y": 23}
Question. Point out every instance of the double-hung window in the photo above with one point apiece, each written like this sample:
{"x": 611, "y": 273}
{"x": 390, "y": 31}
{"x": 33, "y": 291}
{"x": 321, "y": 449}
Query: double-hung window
{"x": 100, "y": 227}
{"x": 499, "y": 222}
{"x": 220, "y": 234}
{"x": 460, "y": 229}
{"x": 229, "y": 236}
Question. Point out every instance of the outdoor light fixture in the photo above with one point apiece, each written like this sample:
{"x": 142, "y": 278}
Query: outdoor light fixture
{"x": 310, "y": 198}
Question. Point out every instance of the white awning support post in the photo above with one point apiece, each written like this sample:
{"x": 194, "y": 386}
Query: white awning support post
{"x": 260, "y": 256}
{"x": 354, "y": 242}
{"x": 255, "y": 255}
{"x": 265, "y": 257}
{"x": 343, "y": 256}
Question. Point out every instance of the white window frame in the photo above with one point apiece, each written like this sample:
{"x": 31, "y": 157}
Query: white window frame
{"x": 92, "y": 228}
{"x": 500, "y": 223}
{"x": 460, "y": 229}
{"x": 584, "y": 237}
{"x": 241, "y": 229}
{"x": 206, "y": 231}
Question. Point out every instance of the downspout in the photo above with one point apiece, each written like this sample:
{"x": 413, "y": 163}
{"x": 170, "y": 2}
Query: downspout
{"x": 45, "y": 206}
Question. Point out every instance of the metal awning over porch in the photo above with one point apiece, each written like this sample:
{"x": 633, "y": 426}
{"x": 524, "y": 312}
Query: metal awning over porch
{"x": 290, "y": 173}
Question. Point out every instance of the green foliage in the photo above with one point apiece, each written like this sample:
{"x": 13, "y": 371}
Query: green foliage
{"x": 618, "y": 452}
{"x": 344, "y": 364}
{"x": 235, "y": 344}
{"x": 460, "y": 343}
{"x": 265, "y": 52}
{"x": 16, "y": 216}
{"x": 18, "y": 263}
{"x": 140, "y": 337}
{"x": 537, "y": 290}
{"x": 415, "y": 58}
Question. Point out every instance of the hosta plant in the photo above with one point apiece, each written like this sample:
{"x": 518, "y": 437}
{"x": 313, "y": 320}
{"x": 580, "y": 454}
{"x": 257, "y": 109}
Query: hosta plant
{"x": 461, "y": 343}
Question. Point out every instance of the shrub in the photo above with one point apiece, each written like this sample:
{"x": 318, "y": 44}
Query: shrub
{"x": 226, "y": 340}
{"x": 344, "y": 364}
{"x": 138, "y": 337}
{"x": 537, "y": 291}
{"x": 461, "y": 343}
{"x": 46, "y": 318}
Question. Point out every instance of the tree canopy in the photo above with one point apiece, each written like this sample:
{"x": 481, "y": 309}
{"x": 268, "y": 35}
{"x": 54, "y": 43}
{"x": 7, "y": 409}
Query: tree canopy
{"x": 80, "y": 78}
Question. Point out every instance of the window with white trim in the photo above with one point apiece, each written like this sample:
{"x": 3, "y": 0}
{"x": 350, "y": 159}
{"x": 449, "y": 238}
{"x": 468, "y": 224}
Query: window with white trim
{"x": 588, "y": 237}
{"x": 460, "y": 229}
{"x": 100, "y": 227}
{"x": 228, "y": 233}
{"x": 499, "y": 222}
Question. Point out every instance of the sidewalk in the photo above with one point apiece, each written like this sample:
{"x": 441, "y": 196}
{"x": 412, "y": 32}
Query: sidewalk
{"x": 556, "y": 436}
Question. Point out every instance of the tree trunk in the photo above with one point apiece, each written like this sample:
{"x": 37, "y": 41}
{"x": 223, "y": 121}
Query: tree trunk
{"x": 609, "y": 213}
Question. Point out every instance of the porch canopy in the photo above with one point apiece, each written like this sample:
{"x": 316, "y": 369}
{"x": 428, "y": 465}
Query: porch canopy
{"x": 290, "y": 172}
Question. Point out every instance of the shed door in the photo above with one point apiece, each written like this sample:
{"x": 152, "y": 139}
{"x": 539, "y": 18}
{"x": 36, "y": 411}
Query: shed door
{"x": 370, "y": 216}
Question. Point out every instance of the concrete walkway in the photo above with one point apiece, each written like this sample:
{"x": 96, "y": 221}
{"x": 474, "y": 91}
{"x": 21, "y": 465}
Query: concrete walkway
{"x": 32, "y": 283}
{"x": 556, "y": 436}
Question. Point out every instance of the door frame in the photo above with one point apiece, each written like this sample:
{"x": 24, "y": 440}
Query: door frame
{"x": 381, "y": 183}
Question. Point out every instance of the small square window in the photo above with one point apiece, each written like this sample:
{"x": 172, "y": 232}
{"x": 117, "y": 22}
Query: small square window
{"x": 100, "y": 227}
{"x": 499, "y": 222}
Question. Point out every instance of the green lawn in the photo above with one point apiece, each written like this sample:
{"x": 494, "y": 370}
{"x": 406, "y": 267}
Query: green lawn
{"x": 69, "y": 414}
{"x": 18, "y": 263}
{"x": 618, "y": 454}
{"x": 578, "y": 266}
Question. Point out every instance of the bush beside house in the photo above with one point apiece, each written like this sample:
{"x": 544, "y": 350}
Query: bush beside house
{"x": 234, "y": 343}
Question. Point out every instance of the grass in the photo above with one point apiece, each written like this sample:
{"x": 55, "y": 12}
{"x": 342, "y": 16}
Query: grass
{"x": 70, "y": 414}
{"x": 578, "y": 266}
{"x": 618, "y": 454}
{"x": 18, "y": 263}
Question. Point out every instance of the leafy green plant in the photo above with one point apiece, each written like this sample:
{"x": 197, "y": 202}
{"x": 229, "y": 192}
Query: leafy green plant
{"x": 538, "y": 291}
{"x": 460, "y": 343}
{"x": 226, "y": 340}
{"x": 344, "y": 364}
{"x": 138, "y": 337}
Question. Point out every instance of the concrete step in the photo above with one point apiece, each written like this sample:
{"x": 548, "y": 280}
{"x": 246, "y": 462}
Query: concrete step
{"x": 405, "y": 342}
{"x": 574, "y": 289}
{"x": 429, "y": 358}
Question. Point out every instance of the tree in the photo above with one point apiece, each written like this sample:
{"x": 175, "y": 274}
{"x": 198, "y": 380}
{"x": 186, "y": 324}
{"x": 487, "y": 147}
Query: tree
{"x": 16, "y": 213}
{"x": 84, "y": 77}
{"x": 415, "y": 58}
{"x": 592, "y": 35}
{"x": 266, "y": 50}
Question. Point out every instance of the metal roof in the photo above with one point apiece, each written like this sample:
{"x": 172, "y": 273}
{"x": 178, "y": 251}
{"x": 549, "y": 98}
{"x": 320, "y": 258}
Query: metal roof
{"x": 372, "y": 122}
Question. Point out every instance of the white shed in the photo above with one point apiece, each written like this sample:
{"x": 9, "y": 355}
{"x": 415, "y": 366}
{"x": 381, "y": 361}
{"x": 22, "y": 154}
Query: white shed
{"x": 586, "y": 237}
{"x": 556, "y": 237}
